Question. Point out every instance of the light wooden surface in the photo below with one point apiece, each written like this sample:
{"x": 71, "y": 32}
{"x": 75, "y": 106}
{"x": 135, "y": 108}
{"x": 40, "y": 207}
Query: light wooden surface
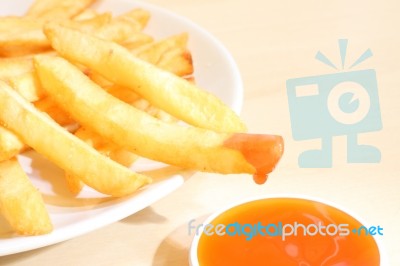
{"x": 271, "y": 41}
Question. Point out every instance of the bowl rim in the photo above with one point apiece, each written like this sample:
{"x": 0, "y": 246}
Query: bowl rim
{"x": 193, "y": 259}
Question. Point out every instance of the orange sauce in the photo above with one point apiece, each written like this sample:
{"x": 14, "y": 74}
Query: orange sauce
{"x": 317, "y": 250}
{"x": 263, "y": 152}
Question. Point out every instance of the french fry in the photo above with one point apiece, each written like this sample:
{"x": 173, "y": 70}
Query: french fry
{"x": 20, "y": 202}
{"x": 90, "y": 24}
{"x": 21, "y": 36}
{"x": 10, "y": 144}
{"x": 124, "y": 94}
{"x": 177, "y": 61}
{"x": 171, "y": 64}
{"x": 86, "y": 14}
{"x": 11, "y": 67}
{"x": 48, "y": 106}
{"x": 162, "y": 89}
{"x": 152, "y": 52}
{"x": 122, "y": 156}
{"x": 117, "y": 30}
{"x": 74, "y": 183}
{"x": 145, "y": 106}
{"x": 105, "y": 27}
{"x": 137, "y": 40}
{"x": 106, "y": 148}
{"x": 138, "y": 15}
{"x": 51, "y": 9}
{"x": 169, "y": 54}
{"x": 28, "y": 86}
{"x": 132, "y": 98}
{"x": 64, "y": 149}
{"x": 187, "y": 147}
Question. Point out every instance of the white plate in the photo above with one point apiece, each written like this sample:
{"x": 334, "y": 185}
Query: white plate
{"x": 215, "y": 71}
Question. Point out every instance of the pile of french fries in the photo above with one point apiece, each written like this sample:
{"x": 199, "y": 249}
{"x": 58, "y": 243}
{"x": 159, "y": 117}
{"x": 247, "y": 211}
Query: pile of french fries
{"x": 63, "y": 65}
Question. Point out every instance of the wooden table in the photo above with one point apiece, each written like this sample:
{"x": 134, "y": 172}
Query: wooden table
{"x": 271, "y": 41}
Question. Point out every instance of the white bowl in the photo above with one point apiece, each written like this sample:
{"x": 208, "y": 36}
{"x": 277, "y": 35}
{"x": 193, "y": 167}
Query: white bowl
{"x": 193, "y": 258}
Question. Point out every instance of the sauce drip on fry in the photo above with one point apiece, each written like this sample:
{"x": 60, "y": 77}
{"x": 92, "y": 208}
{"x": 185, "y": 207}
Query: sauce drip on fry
{"x": 263, "y": 152}
{"x": 260, "y": 179}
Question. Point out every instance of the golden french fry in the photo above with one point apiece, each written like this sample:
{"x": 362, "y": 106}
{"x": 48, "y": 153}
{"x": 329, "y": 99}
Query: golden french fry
{"x": 48, "y": 106}
{"x": 164, "y": 90}
{"x": 105, "y": 27}
{"x": 51, "y": 9}
{"x": 132, "y": 98}
{"x": 137, "y": 40}
{"x": 138, "y": 15}
{"x": 24, "y": 36}
{"x": 125, "y": 95}
{"x": 169, "y": 54}
{"x": 100, "y": 80}
{"x": 16, "y": 71}
{"x": 187, "y": 147}
{"x": 74, "y": 183}
{"x": 86, "y": 14}
{"x": 89, "y": 24}
{"x": 152, "y": 52}
{"x": 106, "y": 148}
{"x": 65, "y": 150}
{"x": 123, "y": 156}
{"x": 28, "y": 86}
{"x": 145, "y": 106}
{"x": 117, "y": 30}
{"x": 10, "y": 144}
{"x": 11, "y": 67}
{"x": 21, "y": 36}
{"x": 20, "y": 202}
{"x": 177, "y": 61}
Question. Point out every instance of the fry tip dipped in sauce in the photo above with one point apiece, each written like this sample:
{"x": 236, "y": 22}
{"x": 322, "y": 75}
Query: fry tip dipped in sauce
{"x": 263, "y": 152}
